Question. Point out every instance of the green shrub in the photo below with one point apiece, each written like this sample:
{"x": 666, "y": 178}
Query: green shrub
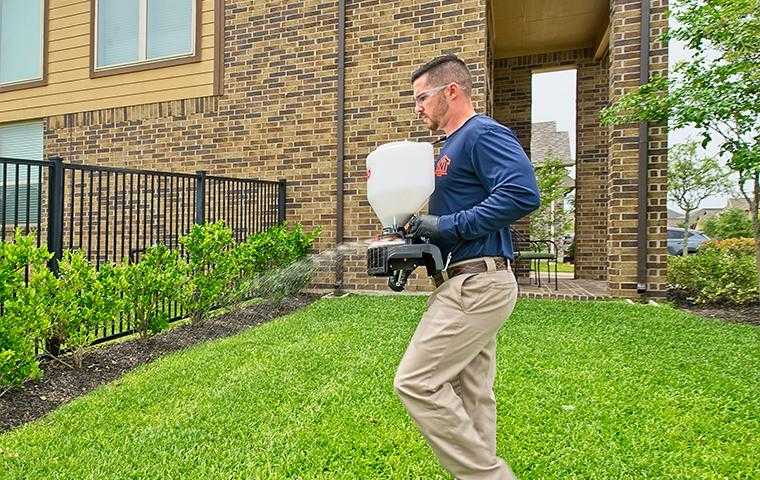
{"x": 731, "y": 223}
{"x": 83, "y": 300}
{"x": 209, "y": 250}
{"x": 149, "y": 286}
{"x": 731, "y": 246}
{"x": 273, "y": 264}
{"x": 720, "y": 272}
{"x": 23, "y": 306}
{"x": 68, "y": 310}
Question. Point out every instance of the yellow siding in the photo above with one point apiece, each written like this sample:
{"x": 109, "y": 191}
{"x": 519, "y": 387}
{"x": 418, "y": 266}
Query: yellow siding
{"x": 70, "y": 88}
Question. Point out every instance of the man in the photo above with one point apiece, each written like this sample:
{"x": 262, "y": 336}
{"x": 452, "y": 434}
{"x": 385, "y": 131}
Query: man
{"x": 484, "y": 182}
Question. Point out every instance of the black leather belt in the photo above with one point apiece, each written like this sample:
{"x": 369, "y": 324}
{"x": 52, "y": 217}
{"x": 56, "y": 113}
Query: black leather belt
{"x": 471, "y": 267}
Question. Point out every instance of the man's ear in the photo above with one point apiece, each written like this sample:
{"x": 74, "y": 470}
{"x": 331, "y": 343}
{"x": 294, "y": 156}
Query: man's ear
{"x": 453, "y": 90}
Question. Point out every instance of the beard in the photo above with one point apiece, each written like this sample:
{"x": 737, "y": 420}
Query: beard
{"x": 437, "y": 112}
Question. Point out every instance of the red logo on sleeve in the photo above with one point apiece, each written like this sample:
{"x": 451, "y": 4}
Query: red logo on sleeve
{"x": 442, "y": 167}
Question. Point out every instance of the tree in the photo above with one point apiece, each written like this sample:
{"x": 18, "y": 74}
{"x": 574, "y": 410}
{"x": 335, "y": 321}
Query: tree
{"x": 691, "y": 180}
{"x": 732, "y": 223}
{"x": 716, "y": 90}
{"x": 551, "y": 220}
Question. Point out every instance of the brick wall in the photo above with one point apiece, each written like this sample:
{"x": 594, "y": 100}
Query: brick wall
{"x": 394, "y": 39}
{"x": 624, "y": 155}
{"x": 512, "y": 107}
{"x": 276, "y": 118}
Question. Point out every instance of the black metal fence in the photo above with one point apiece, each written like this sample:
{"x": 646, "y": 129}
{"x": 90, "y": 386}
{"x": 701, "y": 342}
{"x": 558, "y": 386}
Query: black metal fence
{"x": 115, "y": 214}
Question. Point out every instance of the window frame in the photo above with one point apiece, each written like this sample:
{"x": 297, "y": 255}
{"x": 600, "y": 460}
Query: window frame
{"x": 140, "y": 65}
{"x": 37, "y": 82}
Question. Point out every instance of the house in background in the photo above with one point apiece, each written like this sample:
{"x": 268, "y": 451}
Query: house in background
{"x": 703, "y": 214}
{"x": 675, "y": 218}
{"x": 700, "y": 215}
{"x": 305, "y": 90}
{"x": 738, "y": 202}
{"x": 546, "y": 141}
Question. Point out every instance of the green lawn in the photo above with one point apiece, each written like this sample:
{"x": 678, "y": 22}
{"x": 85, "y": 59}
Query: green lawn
{"x": 586, "y": 391}
{"x": 561, "y": 267}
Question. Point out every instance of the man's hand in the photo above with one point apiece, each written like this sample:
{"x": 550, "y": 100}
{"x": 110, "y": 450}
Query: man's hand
{"x": 424, "y": 226}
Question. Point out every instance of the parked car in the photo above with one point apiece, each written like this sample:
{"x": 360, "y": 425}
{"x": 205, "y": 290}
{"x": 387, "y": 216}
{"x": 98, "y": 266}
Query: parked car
{"x": 675, "y": 240}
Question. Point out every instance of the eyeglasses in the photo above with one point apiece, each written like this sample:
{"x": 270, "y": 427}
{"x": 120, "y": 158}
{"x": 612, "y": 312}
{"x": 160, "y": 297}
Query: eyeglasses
{"x": 422, "y": 96}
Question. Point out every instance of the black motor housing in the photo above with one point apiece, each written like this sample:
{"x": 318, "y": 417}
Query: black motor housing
{"x": 398, "y": 260}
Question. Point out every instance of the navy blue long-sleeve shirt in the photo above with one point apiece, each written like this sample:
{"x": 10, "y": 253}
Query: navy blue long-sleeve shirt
{"x": 484, "y": 182}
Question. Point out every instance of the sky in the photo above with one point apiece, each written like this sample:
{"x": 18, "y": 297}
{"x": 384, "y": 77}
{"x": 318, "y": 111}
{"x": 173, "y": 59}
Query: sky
{"x": 554, "y": 100}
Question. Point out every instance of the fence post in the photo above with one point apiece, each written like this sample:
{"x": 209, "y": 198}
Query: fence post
{"x": 55, "y": 213}
{"x": 200, "y": 197}
{"x": 281, "y": 200}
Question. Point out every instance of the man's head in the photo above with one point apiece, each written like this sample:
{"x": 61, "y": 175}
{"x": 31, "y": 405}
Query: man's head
{"x": 442, "y": 89}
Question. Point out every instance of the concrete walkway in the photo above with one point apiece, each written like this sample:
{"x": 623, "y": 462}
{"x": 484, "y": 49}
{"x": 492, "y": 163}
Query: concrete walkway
{"x": 569, "y": 289}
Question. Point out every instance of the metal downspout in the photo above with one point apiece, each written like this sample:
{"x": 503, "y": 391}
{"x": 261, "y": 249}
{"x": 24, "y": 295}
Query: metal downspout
{"x": 340, "y": 174}
{"x": 641, "y": 283}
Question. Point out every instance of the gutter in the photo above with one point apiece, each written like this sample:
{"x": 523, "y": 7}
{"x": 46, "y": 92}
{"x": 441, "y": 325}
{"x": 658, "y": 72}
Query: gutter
{"x": 641, "y": 278}
{"x": 340, "y": 133}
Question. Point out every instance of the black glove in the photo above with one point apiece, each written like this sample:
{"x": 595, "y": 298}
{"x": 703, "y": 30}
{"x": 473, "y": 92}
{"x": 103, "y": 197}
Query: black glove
{"x": 424, "y": 226}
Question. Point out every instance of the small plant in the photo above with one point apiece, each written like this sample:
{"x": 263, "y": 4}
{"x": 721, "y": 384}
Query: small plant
{"x": 83, "y": 300}
{"x": 275, "y": 263}
{"x": 22, "y": 306}
{"x": 159, "y": 277}
{"x": 211, "y": 265}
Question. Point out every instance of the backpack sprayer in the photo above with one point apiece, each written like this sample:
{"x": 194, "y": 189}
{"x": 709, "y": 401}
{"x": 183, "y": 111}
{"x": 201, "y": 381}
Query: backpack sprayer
{"x": 400, "y": 179}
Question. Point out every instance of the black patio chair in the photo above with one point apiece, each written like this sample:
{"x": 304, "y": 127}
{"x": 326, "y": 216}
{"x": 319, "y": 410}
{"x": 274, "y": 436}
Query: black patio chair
{"x": 535, "y": 252}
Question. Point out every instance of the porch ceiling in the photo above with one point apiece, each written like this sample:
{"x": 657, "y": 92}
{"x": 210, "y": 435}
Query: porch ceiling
{"x": 524, "y": 27}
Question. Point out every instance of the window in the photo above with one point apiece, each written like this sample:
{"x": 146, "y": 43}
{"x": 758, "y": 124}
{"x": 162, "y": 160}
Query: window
{"x": 133, "y": 33}
{"x": 22, "y": 32}
{"x": 19, "y": 183}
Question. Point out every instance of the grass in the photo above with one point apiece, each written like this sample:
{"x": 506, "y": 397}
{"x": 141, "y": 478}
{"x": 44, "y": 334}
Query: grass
{"x": 561, "y": 267}
{"x": 600, "y": 390}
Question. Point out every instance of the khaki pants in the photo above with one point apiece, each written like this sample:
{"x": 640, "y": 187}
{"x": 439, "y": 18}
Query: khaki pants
{"x": 445, "y": 378}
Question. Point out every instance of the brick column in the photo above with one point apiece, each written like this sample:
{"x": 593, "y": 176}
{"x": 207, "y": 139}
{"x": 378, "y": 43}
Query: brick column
{"x": 513, "y": 78}
{"x": 624, "y": 156}
{"x": 591, "y": 172}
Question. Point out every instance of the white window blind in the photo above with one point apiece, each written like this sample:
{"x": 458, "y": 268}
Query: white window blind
{"x": 24, "y": 141}
{"x": 21, "y": 140}
{"x": 118, "y": 22}
{"x": 134, "y": 31}
{"x": 21, "y": 32}
{"x": 170, "y": 28}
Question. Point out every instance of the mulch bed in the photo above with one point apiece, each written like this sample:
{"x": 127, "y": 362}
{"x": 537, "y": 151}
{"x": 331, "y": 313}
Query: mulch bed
{"x": 749, "y": 314}
{"x": 730, "y": 313}
{"x": 60, "y": 384}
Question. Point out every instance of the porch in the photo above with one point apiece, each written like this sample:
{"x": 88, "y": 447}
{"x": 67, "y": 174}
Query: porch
{"x": 620, "y": 241}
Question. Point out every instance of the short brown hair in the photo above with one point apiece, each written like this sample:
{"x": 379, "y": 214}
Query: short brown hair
{"x": 444, "y": 70}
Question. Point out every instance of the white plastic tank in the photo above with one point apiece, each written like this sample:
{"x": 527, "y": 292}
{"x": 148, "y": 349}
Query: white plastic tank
{"x": 400, "y": 179}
